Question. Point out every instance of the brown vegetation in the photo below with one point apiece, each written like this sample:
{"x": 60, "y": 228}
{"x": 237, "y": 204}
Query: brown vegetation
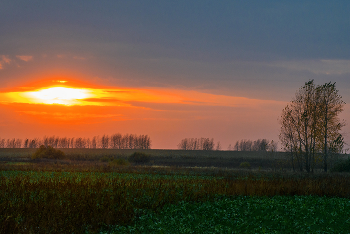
{"x": 66, "y": 205}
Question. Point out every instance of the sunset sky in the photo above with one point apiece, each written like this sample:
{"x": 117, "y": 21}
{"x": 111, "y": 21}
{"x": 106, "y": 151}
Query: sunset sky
{"x": 169, "y": 69}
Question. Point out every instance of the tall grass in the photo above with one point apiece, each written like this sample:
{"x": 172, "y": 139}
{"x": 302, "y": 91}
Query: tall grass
{"x": 74, "y": 204}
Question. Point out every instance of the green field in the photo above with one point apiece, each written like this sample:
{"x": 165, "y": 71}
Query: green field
{"x": 91, "y": 196}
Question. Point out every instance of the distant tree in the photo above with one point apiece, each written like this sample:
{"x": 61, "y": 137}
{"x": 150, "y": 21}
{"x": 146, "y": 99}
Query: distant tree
{"x": 63, "y": 143}
{"x": 79, "y": 143}
{"x": 55, "y": 143}
{"x": 131, "y": 141}
{"x": 218, "y": 146}
{"x": 32, "y": 143}
{"x": 196, "y": 144}
{"x": 94, "y": 142}
{"x": 245, "y": 145}
{"x": 88, "y": 143}
{"x": 2, "y": 143}
{"x": 26, "y": 143}
{"x": 72, "y": 142}
{"x": 272, "y": 146}
{"x": 116, "y": 141}
{"x": 10, "y": 143}
{"x": 248, "y": 145}
{"x": 237, "y": 146}
{"x": 104, "y": 141}
{"x": 18, "y": 143}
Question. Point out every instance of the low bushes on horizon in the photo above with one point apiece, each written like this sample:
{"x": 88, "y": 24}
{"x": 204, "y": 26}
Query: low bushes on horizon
{"x": 139, "y": 157}
{"x": 245, "y": 165}
{"x": 118, "y": 162}
{"x": 48, "y": 152}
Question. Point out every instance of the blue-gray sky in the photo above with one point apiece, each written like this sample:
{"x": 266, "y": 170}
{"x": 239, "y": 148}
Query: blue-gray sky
{"x": 255, "y": 49}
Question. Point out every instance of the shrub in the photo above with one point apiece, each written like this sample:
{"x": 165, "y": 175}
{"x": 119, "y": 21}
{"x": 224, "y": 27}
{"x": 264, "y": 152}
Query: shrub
{"x": 244, "y": 165}
{"x": 105, "y": 159}
{"x": 139, "y": 157}
{"x": 119, "y": 162}
{"x": 342, "y": 167}
{"x": 48, "y": 152}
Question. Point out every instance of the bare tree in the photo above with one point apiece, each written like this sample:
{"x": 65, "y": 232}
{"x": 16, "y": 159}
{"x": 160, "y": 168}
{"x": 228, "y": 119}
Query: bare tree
{"x": 218, "y": 146}
{"x": 94, "y": 142}
{"x": 2, "y": 143}
{"x": 197, "y": 144}
{"x": 307, "y": 123}
{"x": 236, "y": 146}
{"x": 331, "y": 105}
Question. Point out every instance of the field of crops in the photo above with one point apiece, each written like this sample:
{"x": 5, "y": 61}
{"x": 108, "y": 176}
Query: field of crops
{"x": 79, "y": 197}
{"x": 242, "y": 214}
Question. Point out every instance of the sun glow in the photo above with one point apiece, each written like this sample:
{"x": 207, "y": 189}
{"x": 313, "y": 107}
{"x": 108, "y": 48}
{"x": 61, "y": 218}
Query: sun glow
{"x": 59, "y": 95}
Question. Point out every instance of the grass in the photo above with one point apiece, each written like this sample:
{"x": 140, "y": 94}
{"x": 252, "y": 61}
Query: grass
{"x": 180, "y": 158}
{"x": 66, "y": 202}
{"x": 242, "y": 214}
{"x": 102, "y": 197}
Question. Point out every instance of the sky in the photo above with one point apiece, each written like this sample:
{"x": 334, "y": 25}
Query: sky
{"x": 168, "y": 69}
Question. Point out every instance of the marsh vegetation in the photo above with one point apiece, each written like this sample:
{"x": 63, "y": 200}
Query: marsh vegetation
{"x": 108, "y": 191}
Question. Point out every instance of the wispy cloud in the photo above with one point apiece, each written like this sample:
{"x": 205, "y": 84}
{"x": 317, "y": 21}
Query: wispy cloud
{"x": 79, "y": 57}
{"x": 4, "y": 59}
{"x": 25, "y": 58}
{"x": 327, "y": 67}
{"x": 68, "y": 116}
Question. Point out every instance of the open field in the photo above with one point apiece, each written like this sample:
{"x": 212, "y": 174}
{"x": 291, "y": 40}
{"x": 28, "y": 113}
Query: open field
{"x": 181, "y": 158}
{"x": 90, "y": 196}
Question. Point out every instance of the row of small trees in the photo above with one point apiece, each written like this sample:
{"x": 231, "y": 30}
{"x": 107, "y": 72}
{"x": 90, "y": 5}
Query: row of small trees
{"x": 243, "y": 145}
{"x": 115, "y": 141}
{"x": 198, "y": 144}
{"x": 258, "y": 145}
{"x": 310, "y": 126}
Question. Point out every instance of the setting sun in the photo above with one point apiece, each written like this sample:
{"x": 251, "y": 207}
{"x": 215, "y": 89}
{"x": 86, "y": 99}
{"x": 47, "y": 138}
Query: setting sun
{"x": 59, "y": 95}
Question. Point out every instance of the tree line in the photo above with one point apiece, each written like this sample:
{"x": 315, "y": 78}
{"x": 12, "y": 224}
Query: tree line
{"x": 198, "y": 144}
{"x": 115, "y": 141}
{"x": 310, "y": 126}
{"x": 257, "y": 145}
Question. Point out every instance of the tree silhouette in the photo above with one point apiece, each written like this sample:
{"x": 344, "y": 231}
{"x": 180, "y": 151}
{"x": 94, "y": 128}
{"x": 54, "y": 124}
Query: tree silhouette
{"x": 310, "y": 125}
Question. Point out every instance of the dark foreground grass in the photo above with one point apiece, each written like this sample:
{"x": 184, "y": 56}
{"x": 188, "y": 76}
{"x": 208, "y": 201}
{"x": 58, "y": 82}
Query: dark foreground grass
{"x": 77, "y": 202}
{"x": 241, "y": 214}
{"x": 83, "y": 194}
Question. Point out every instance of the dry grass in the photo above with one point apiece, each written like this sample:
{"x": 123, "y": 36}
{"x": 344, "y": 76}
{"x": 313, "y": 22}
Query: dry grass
{"x": 67, "y": 205}
{"x": 73, "y": 204}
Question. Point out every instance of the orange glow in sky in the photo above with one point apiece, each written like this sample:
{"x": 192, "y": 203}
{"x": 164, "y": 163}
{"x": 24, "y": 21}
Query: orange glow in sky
{"x": 73, "y": 108}
{"x": 74, "y": 94}
{"x": 59, "y": 95}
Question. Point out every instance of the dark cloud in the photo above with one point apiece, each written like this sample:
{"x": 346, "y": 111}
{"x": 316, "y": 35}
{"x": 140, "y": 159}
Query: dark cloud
{"x": 208, "y": 30}
{"x": 229, "y": 47}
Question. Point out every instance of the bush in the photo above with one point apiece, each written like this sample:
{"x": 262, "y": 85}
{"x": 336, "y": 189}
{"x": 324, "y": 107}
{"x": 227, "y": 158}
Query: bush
{"x": 244, "y": 165}
{"x": 342, "y": 167}
{"x": 105, "y": 159}
{"x": 139, "y": 157}
{"x": 48, "y": 152}
{"x": 119, "y": 162}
